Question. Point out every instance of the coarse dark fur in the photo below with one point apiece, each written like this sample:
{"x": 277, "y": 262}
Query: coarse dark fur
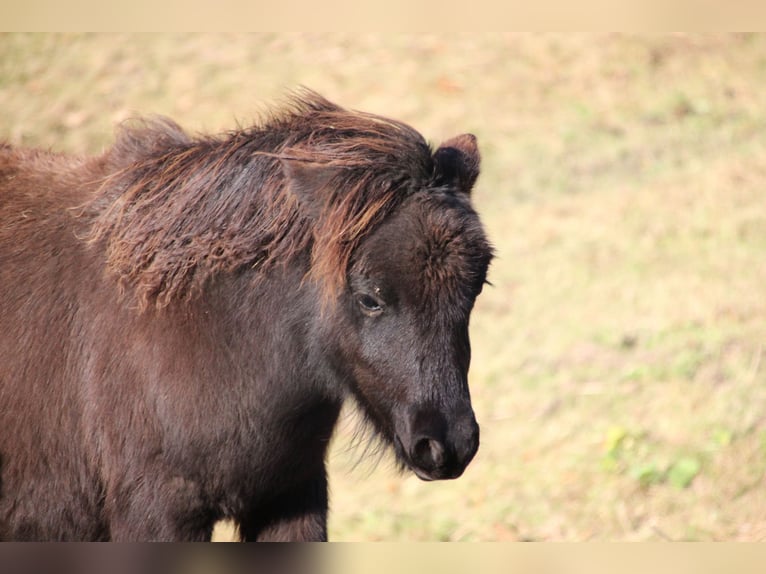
{"x": 181, "y": 319}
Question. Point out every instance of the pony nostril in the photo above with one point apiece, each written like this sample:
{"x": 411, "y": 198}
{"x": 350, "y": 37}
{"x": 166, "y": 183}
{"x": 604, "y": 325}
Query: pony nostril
{"x": 429, "y": 453}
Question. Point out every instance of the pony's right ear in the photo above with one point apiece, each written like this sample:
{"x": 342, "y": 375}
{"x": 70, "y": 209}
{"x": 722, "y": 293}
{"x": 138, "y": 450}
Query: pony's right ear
{"x": 457, "y": 162}
{"x": 309, "y": 182}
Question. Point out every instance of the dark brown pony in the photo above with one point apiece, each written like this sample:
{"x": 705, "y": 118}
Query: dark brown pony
{"x": 181, "y": 319}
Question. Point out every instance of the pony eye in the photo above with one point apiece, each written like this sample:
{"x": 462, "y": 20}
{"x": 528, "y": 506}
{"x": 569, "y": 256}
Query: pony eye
{"x": 369, "y": 304}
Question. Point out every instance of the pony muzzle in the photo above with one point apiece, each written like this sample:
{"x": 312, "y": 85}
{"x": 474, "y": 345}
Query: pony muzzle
{"x": 436, "y": 447}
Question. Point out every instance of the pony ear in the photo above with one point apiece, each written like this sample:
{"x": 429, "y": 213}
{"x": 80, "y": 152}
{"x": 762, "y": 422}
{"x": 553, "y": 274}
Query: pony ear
{"x": 457, "y": 162}
{"x": 308, "y": 181}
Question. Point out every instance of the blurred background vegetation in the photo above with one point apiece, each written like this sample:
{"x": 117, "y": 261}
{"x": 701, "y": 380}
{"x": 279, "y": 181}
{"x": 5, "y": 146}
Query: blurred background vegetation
{"x": 619, "y": 374}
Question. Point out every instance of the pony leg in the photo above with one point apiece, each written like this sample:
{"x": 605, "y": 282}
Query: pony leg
{"x": 167, "y": 511}
{"x": 298, "y": 515}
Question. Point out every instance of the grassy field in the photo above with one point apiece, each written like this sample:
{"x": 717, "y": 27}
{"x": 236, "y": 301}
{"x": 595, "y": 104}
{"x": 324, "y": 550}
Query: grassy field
{"x": 619, "y": 371}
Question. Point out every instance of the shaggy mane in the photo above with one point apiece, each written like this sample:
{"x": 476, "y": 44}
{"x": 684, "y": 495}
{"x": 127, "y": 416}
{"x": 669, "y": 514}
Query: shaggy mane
{"x": 175, "y": 210}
